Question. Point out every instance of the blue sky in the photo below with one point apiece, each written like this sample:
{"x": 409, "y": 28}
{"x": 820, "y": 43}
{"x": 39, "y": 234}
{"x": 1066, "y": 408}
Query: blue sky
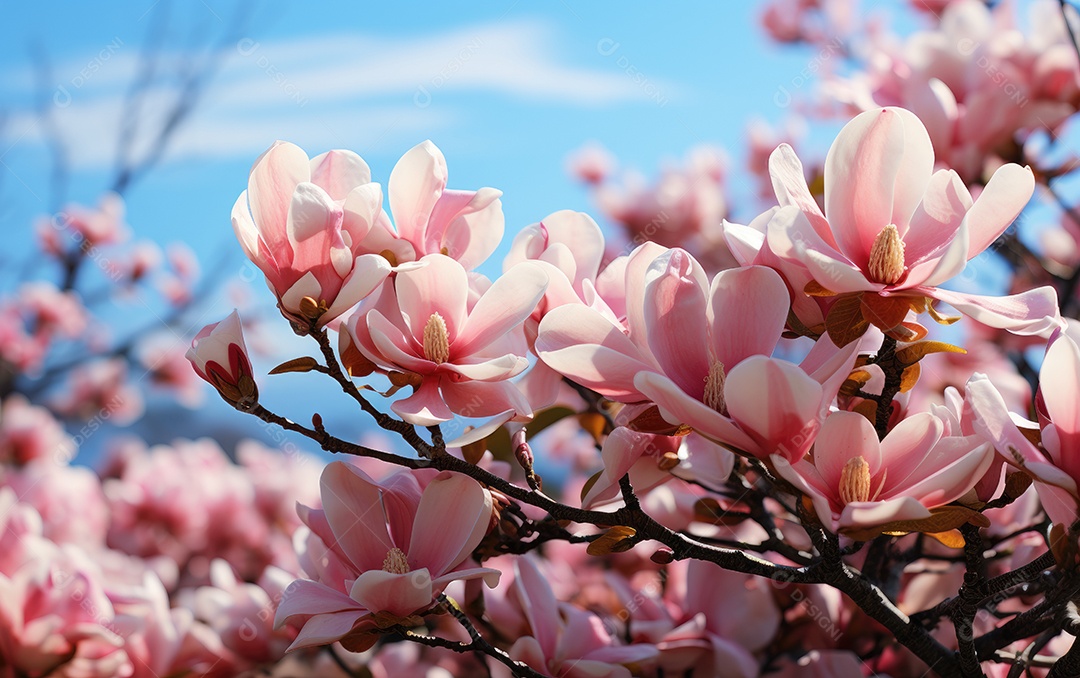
{"x": 506, "y": 89}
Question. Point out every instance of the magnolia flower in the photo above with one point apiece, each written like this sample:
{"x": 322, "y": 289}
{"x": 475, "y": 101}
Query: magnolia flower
{"x": 565, "y": 640}
{"x": 691, "y": 345}
{"x": 464, "y": 225}
{"x": 457, "y": 352}
{"x": 894, "y": 227}
{"x": 1056, "y": 464}
{"x": 380, "y": 553}
{"x": 219, "y": 356}
{"x": 855, "y": 482}
{"x": 303, "y": 223}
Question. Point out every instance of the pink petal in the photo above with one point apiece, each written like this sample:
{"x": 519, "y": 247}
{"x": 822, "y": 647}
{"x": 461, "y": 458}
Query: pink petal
{"x": 416, "y": 183}
{"x": 1059, "y": 384}
{"x": 399, "y": 594}
{"x": 338, "y": 172}
{"x": 1034, "y": 312}
{"x": 676, "y": 407}
{"x": 747, "y": 311}
{"x": 861, "y": 178}
{"x": 503, "y": 307}
{"x": 937, "y": 217}
{"x": 1005, "y": 195}
{"x": 324, "y": 629}
{"x": 958, "y": 466}
{"x": 393, "y": 348}
{"x": 367, "y": 274}
{"x": 352, "y": 503}
{"x": 453, "y": 516}
{"x": 790, "y": 236}
{"x": 776, "y": 403}
{"x": 304, "y": 597}
{"x": 274, "y": 177}
{"x": 676, "y": 316}
{"x": 485, "y": 399}
{"x": 425, "y": 407}
{"x": 845, "y": 436}
{"x": 871, "y": 513}
{"x": 439, "y": 285}
{"x": 580, "y": 343}
{"x": 538, "y": 603}
{"x": 906, "y": 447}
{"x": 789, "y": 184}
{"x": 476, "y": 228}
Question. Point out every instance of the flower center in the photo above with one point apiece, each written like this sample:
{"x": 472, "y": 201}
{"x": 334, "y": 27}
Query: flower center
{"x": 855, "y": 481}
{"x": 436, "y": 339}
{"x": 714, "y": 388}
{"x": 395, "y": 561}
{"x": 887, "y": 256}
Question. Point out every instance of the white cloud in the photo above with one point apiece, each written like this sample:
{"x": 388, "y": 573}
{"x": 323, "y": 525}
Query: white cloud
{"x": 351, "y": 90}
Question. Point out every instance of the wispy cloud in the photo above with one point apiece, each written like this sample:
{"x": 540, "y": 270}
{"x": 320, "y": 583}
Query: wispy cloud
{"x": 357, "y": 90}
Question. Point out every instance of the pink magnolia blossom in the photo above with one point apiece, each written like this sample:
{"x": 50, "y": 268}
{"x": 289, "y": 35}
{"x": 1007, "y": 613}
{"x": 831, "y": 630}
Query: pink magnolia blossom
{"x": 55, "y": 616}
{"x": 456, "y": 349}
{"x": 380, "y": 553}
{"x": 30, "y": 432}
{"x": 68, "y": 499}
{"x": 304, "y": 223}
{"x": 979, "y": 81}
{"x": 855, "y": 481}
{"x": 100, "y": 391}
{"x": 684, "y": 207}
{"x": 893, "y": 226}
{"x": 564, "y": 640}
{"x": 1056, "y": 464}
{"x": 464, "y": 225}
{"x": 720, "y": 619}
{"x": 703, "y": 342}
{"x": 219, "y": 356}
{"x": 99, "y": 226}
{"x": 592, "y": 163}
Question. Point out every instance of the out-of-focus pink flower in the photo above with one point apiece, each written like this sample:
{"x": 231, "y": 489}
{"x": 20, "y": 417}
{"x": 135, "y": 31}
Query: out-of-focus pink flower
{"x": 856, "y": 482}
{"x": 50, "y": 311}
{"x": 168, "y": 368}
{"x": 979, "y": 81}
{"x": 94, "y": 227}
{"x": 1056, "y": 464}
{"x": 720, "y": 619}
{"x": 219, "y": 356}
{"x": 691, "y": 344}
{"x": 380, "y": 553}
{"x": 54, "y": 613}
{"x": 99, "y": 391}
{"x": 893, "y": 226}
{"x": 190, "y": 503}
{"x": 564, "y": 640}
{"x": 456, "y": 349}
{"x": 242, "y": 613}
{"x": 592, "y": 163}
{"x": 684, "y": 208}
{"x": 68, "y": 499}
{"x": 822, "y": 664}
{"x": 304, "y": 223}
{"x": 29, "y": 432}
{"x": 813, "y": 21}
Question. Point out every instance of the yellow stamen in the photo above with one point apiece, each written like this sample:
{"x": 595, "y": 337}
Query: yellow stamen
{"x": 714, "y": 387}
{"x": 855, "y": 481}
{"x": 887, "y": 256}
{"x": 436, "y": 339}
{"x": 395, "y": 561}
